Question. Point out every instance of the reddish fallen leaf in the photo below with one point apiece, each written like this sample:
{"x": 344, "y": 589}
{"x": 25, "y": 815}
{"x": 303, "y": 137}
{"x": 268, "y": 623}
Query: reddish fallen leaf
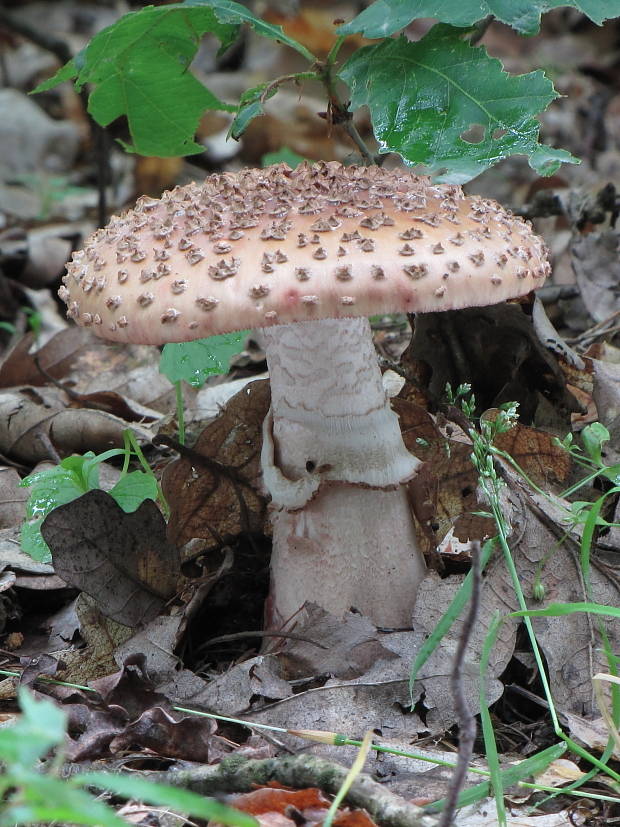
{"x": 310, "y": 805}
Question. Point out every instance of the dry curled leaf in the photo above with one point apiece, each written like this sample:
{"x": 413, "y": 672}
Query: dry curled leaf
{"x": 32, "y": 418}
{"x": 123, "y": 561}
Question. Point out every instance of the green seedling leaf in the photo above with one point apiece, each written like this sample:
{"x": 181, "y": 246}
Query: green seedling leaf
{"x": 162, "y": 795}
{"x": 195, "y": 361}
{"x": 139, "y": 67}
{"x": 593, "y": 437}
{"x": 384, "y": 17}
{"x": 229, "y": 12}
{"x": 282, "y": 156}
{"x": 74, "y": 476}
{"x": 133, "y": 489}
{"x": 425, "y": 98}
{"x": 50, "y": 489}
{"x": 40, "y": 728}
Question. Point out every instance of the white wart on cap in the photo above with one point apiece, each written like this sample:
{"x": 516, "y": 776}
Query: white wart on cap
{"x": 262, "y": 247}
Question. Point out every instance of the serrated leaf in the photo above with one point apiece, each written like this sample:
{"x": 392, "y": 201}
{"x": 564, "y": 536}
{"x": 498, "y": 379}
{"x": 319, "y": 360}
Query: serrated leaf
{"x": 66, "y": 72}
{"x": 424, "y": 96}
{"x": 228, "y": 11}
{"x": 139, "y": 68}
{"x": 384, "y": 17}
{"x": 193, "y": 362}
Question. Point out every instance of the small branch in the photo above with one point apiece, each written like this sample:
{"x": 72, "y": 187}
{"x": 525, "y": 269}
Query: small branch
{"x": 467, "y": 722}
{"x": 236, "y": 774}
{"x": 338, "y": 113}
{"x": 295, "y": 77}
{"x": 255, "y": 633}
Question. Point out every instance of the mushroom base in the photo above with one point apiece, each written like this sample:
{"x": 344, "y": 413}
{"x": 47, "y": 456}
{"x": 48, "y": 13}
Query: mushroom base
{"x": 350, "y": 547}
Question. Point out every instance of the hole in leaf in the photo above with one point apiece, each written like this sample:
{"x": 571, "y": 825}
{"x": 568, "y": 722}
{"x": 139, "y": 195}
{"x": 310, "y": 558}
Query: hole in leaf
{"x": 310, "y": 466}
{"x": 474, "y": 134}
{"x": 498, "y": 133}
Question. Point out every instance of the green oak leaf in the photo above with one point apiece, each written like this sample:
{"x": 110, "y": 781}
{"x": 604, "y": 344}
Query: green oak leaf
{"x": 424, "y": 96}
{"x": 139, "y": 68}
{"x": 384, "y": 17}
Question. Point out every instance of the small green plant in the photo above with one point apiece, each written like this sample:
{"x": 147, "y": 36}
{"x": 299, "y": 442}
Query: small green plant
{"x": 76, "y": 475}
{"x": 483, "y": 458}
{"x": 193, "y": 362}
{"x": 32, "y": 790}
{"x": 34, "y": 322}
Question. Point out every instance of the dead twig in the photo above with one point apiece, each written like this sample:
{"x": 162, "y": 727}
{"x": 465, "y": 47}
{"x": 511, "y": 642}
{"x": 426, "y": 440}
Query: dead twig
{"x": 467, "y": 722}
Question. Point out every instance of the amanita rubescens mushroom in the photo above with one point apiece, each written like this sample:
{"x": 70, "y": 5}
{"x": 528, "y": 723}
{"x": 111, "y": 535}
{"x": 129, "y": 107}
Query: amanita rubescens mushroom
{"x": 307, "y": 255}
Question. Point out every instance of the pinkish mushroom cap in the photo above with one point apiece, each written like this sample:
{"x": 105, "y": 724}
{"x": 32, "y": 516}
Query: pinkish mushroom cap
{"x": 262, "y": 247}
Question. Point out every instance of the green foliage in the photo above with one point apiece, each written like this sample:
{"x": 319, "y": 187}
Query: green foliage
{"x": 424, "y": 97}
{"x": 193, "y": 362}
{"x": 139, "y": 68}
{"x": 66, "y": 482}
{"x": 445, "y": 86}
{"x": 33, "y": 793}
{"x": 384, "y": 17}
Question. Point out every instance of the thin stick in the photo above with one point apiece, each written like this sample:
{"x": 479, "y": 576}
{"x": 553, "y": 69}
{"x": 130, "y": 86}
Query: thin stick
{"x": 467, "y": 722}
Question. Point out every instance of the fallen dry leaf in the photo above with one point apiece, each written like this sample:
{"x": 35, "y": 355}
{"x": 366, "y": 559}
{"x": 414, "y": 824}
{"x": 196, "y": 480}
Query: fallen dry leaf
{"x": 274, "y": 807}
{"x": 12, "y": 498}
{"x": 221, "y": 499}
{"x": 596, "y": 263}
{"x": 559, "y": 772}
{"x": 458, "y": 346}
{"x": 31, "y": 418}
{"x": 56, "y": 358}
{"x": 122, "y": 561}
{"x": 347, "y": 646}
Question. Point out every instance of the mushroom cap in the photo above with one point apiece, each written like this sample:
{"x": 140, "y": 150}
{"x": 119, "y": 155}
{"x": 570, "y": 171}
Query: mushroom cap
{"x": 272, "y": 246}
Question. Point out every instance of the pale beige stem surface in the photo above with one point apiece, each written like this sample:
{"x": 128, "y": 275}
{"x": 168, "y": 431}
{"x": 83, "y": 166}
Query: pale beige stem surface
{"x": 334, "y": 463}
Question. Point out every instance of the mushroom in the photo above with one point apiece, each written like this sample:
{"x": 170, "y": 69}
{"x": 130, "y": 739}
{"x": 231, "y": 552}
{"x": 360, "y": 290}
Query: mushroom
{"x": 306, "y": 255}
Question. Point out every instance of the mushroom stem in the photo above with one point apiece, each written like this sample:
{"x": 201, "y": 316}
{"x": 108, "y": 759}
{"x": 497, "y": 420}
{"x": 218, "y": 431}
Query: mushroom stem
{"x": 334, "y": 463}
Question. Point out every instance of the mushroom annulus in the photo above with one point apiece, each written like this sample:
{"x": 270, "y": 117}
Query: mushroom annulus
{"x": 306, "y": 255}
